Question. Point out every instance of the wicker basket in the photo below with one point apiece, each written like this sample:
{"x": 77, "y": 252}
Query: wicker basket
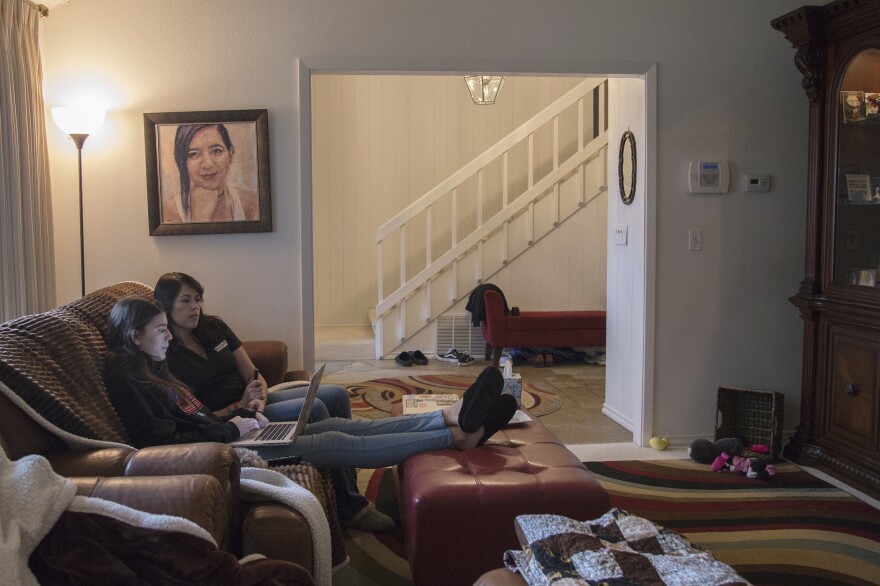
{"x": 754, "y": 415}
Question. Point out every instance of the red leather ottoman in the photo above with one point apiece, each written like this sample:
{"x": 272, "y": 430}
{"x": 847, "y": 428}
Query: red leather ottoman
{"x": 458, "y": 508}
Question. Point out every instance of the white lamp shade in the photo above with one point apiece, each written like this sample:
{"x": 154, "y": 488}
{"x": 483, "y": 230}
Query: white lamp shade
{"x": 484, "y": 88}
{"x": 78, "y": 119}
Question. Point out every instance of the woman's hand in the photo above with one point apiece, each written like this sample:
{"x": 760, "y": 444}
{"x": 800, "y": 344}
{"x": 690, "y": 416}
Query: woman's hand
{"x": 253, "y": 395}
{"x": 261, "y": 419}
{"x": 245, "y": 424}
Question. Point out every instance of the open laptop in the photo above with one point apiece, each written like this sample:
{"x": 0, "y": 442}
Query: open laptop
{"x": 283, "y": 433}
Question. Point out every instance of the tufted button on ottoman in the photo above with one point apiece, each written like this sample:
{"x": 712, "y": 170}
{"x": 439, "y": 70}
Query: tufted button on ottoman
{"x": 458, "y": 508}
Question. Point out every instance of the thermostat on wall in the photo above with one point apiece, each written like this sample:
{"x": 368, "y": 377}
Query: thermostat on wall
{"x": 708, "y": 177}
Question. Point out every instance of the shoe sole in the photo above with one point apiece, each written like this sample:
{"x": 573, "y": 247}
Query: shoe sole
{"x": 480, "y": 400}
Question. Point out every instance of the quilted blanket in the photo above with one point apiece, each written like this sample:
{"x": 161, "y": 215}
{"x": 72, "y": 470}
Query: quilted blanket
{"x": 616, "y": 548}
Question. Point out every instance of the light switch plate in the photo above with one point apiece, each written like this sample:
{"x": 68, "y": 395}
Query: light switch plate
{"x": 695, "y": 239}
{"x": 620, "y": 231}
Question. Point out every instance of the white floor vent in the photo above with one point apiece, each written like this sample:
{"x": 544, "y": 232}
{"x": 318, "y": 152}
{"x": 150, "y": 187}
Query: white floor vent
{"x": 456, "y": 331}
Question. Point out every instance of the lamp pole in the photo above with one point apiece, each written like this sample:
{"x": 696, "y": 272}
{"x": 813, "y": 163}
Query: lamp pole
{"x": 79, "y": 140}
{"x": 78, "y": 122}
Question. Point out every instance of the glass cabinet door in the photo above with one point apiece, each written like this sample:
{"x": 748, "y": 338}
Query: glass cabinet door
{"x": 857, "y": 226}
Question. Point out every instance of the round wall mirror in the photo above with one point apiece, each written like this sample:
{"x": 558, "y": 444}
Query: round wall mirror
{"x": 626, "y": 167}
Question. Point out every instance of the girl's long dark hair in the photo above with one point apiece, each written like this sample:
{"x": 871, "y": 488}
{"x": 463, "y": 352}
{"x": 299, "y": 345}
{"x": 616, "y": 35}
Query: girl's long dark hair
{"x": 132, "y": 314}
{"x": 166, "y": 291}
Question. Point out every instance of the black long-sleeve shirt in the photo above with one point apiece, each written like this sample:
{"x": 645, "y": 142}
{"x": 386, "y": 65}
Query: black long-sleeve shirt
{"x": 152, "y": 419}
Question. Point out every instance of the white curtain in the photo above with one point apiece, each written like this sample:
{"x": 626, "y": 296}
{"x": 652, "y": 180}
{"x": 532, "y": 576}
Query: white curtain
{"x": 27, "y": 278}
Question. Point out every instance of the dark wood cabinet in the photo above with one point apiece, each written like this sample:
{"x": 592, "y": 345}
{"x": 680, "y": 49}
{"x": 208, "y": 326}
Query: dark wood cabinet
{"x": 838, "y": 53}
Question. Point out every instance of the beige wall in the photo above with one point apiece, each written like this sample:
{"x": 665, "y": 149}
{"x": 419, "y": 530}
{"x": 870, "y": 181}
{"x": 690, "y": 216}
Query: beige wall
{"x": 726, "y": 86}
{"x": 381, "y": 141}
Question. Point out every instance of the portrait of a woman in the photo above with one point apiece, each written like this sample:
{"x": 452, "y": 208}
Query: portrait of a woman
{"x": 206, "y": 160}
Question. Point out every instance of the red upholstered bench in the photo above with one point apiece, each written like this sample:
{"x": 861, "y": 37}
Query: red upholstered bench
{"x": 458, "y": 508}
{"x": 538, "y": 328}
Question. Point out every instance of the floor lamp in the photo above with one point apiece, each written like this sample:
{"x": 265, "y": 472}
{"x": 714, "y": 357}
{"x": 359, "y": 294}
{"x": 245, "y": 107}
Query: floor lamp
{"x": 79, "y": 123}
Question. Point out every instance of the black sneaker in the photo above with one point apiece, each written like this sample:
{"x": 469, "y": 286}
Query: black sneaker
{"x": 465, "y": 359}
{"x": 451, "y": 355}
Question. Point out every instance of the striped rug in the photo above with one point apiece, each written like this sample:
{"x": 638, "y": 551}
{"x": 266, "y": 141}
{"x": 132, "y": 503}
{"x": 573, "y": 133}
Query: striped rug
{"x": 792, "y": 529}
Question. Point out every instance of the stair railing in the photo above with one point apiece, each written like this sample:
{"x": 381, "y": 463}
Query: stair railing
{"x": 575, "y": 164}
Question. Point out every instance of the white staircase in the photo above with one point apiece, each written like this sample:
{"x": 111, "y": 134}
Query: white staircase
{"x": 479, "y": 219}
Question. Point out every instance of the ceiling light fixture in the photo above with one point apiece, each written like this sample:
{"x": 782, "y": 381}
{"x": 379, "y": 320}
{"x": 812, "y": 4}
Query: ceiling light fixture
{"x": 484, "y": 88}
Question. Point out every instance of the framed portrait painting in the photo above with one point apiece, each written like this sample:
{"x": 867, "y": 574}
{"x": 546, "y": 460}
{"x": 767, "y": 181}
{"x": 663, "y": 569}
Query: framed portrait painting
{"x": 208, "y": 172}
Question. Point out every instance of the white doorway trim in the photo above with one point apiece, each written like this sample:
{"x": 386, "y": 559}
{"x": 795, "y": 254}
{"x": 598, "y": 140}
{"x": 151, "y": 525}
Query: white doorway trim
{"x": 640, "y": 419}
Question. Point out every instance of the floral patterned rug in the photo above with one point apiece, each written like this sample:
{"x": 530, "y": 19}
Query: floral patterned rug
{"x": 374, "y": 399}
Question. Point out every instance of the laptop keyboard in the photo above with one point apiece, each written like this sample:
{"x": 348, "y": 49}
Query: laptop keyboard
{"x": 274, "y": 432}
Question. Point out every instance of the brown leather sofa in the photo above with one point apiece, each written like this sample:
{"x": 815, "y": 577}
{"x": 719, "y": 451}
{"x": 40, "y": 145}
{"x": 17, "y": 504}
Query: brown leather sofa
{"x": 51, "y": 377}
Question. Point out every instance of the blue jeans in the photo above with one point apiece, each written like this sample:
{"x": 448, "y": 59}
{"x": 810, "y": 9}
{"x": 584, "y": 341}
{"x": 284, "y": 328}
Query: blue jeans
{"x": 370, "y": 443}
{"x": 331, "y": 401}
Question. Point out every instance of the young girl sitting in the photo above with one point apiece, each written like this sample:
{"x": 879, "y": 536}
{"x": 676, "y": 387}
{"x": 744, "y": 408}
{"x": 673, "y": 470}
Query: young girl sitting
{"x": 156, "y": 409}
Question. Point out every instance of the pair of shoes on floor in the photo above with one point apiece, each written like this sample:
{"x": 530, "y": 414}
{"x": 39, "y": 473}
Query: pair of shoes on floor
{"x": 568, "y": 355}
{"x": 416, "y": 357}
{"x": 484, "y": 405}
{"x": 541, "y": 359}
{"x": 369, "y": 519}
{"x": 460, "y": 358}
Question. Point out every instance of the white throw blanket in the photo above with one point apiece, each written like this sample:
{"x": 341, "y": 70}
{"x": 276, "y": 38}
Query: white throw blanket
{"x": 33, "y": 499}
{"x": 256, "y": 485}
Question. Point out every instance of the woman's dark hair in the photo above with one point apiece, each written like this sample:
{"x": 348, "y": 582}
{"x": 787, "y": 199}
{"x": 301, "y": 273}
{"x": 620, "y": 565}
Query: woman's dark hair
{"x": 131, "y": 314}
{"x": 166, "y": 291}
{"x": 184, "y": 135}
